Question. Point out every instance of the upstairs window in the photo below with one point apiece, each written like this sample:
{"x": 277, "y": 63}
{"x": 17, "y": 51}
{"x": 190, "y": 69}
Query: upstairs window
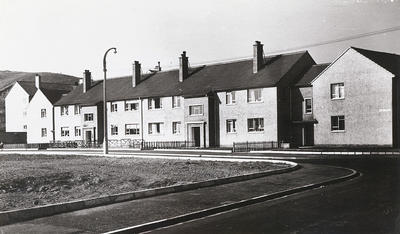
{"x": 25, "y": 126}
{"x": 155, "y": 128}
{"x": 44, "y": 132}
{"x": 114, "y": 130}
{"x": 307, "y": 106}
{"x": 230, "y": 98}
{"x": 132, "y": 129}
{"x": 176, "y": 127}
{"x": 43, "y": 113}
{"x": 254, "y": 95}
{"x": 154, "y": 103}
{"x": 337, "y": 123}
{"x": 114, "y": 107}
{"x": 337, "y": 91}
{"x": 176, "y": 102}
{"x": 131, "y": 105}
{"x": 77, "y": 109}
{"x": 88, "y": 117}
{"x": 64, "y": 131}
{"x": 231, "y": 125}
{"x": 255, "y": 125}
{"x": 196, "y": 110}
{"x": 64, "y": 110}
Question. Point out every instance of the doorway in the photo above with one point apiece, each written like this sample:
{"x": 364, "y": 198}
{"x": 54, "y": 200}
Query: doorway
{"x": 196, "y": 136}
{"x": 88, "y": 136}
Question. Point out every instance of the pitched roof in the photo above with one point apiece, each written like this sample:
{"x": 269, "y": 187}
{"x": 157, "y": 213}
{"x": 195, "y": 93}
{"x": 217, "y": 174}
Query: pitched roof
{"x": 30, "y": 87}
{"x": 8, "y": 78}
{"x": 310, "y": 75}
{"x": 390, "y": 62}
{"x": 202, "y": 80}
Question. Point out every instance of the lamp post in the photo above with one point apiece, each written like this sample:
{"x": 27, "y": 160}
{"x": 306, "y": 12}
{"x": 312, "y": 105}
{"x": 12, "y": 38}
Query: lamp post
{"x": 105, "y": 138}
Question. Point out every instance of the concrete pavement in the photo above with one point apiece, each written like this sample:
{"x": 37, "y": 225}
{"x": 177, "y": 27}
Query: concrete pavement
{"x": 116, "y": 216}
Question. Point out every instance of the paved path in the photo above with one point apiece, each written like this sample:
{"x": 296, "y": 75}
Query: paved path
{"x": 120, "y": 215}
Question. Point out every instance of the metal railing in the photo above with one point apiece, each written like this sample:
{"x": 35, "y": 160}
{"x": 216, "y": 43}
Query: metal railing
{"x": 254, "y": 146}
{"x": 150, "y": 145}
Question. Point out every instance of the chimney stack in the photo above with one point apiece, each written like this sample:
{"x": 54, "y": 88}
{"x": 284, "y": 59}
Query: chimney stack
{"x": 87, "y": 80}
{"x": 136, "y": 73}
{"x": 258, "y": 56}
{"x": 37, "y": 81}
{"x": 183, "y": 67}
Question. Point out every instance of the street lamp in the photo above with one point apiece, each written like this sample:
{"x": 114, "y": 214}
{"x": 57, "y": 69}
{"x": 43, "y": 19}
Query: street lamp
{"x": 105, "y": 139}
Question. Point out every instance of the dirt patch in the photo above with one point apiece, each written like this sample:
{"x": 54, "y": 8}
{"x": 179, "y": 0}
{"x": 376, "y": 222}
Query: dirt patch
{"x": 32, "y": 180}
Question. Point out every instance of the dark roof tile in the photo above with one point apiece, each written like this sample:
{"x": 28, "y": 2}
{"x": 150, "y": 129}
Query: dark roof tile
{"x": 311, "y": 74}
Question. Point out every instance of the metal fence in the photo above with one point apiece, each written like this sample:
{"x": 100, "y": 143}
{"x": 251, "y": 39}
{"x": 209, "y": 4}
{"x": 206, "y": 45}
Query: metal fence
{"x": 254, "y": 146}
{"x": 149, "y": 145}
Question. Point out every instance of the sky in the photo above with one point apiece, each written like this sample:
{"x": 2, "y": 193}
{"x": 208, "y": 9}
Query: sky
{"x": 69, "y": 36}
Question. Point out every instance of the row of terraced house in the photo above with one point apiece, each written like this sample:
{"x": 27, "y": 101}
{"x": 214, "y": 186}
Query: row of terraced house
{"x": 286, "y": 98}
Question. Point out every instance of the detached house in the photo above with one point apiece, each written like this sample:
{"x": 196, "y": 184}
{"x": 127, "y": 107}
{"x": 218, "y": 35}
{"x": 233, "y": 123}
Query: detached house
{"x": 210, "y": 105}
{"x": 356, "y": 100}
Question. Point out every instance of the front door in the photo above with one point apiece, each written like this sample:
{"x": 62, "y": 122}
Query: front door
{"x": 196, "y": 136}
{"x": 88, "y": 136}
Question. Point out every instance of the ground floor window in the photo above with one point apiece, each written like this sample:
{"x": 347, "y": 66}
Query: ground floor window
{"x": 64, "y": 131}
{"x": 132, "y": 129}
{"x": 44, "y": 132}
{"x": 337, "y": 123}
{"x": 114, "y": 130}
{"x": 231, "y": 125}
{"x": 255, "y": 125}
{"x": 77, "y": 131}
{"x": 176, "y": 127}
{"x": 155, "y": 128}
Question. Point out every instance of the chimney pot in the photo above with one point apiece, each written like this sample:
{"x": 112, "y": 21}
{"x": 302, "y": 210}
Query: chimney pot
{"x": 37, "y": 81}
{"x": 87, "y": 81}
{"x": 258, "y": 56}
{"x": 183, "y": 67}
{"x": 136, "y": 73}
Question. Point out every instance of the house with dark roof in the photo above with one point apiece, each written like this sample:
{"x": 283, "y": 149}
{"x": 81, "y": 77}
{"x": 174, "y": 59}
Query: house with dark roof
{"x": 356, "y": 100}
{"x": 209, "y": 105}
{"x": 21, "y": 94}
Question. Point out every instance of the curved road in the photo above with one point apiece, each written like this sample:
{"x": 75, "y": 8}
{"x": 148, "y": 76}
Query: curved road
{"x": 367, "y": 204}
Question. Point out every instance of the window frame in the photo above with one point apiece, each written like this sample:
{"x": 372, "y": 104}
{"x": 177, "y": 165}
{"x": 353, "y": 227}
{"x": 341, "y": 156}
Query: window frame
{"x": 196, "y": 105}
{"x": 77, "y": 129}
{"x": 128, "y": 105}
{"x": 256, "y": 128}
{"x": 114, "y": 130}
{"x": 176, "y": 127}
{"x": 135, "y": 131}
{"x": 340, "y": 90}
{"x": 250, "y": 96}
{"x": 77, "y": 109}
{"x": 340, "y": 120}
{"x": 159, "y": 125}
{"x": 45, "y": 132}
{"x": 176, "y": 102}
{"x": 64, "y": 131}
{"x": 233, "y": 121}
{"x": 232, "y": 98}
{"x": 305, "y": 106}
{"x": 64, "y": 110}
{"x": 151, "y": 103}
{"x": 88, "y": 114}
{"x": 43, "y": 113}
{"x": 113, "y": 107}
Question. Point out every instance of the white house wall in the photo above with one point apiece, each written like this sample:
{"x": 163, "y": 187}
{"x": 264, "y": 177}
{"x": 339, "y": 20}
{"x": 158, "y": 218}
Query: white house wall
{"x": 71, "y": 121}
{"x": 367, "y": 103}
{"x": 16, "y": 104}
{"x": 243, "y": 110}
{"x": 35, "y": 121}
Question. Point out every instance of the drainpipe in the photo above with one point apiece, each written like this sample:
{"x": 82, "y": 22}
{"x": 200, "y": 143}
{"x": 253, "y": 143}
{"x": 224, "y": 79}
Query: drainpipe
{"x": 141, "y": 122}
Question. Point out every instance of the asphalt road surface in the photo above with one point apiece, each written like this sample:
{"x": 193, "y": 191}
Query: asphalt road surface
{"x": 367, "y": 204}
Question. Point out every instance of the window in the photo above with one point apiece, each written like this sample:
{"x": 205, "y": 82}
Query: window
{"x": 88, "y": 117}
{"x": 155, "y": 128}
{"x": 77, "y": 131}
{"x": 44, "y": 132}
{"x": 43, "y": 113}
{"x": 307, "y": 105}
{"x": 231, "y": 125}
{"x": 114, "y": 107}
{"x": 130, "y": 105}
{"x": 176, "y": 127}
{"x": 254, "y": 95}
{"x": 337, "y": 91}
{"x": 25, "y": 127}
{"x": 176, "y": 102}
{"x": 132, "y": 129}
{"x": 154, "y": 103}
{"x": 114, "y": 130}
{"x": 337, "y": 123}
{"x": 64, "y": 131}
{"x": 230, "y": 97}
{"x": 255, "y": 125}
{"x": 64, "y": 110}
{"x": 196, "y": 110}
{"x": 77, "y": 109}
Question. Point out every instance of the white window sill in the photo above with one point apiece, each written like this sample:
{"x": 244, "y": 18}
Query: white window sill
{"x": 231, "y": 104}
{"x": 309, "y": 113}
{"x": 177, "y": 107}
{"x": 255, "y": 102}
{"x": 338, "y": 131}
{"x": 197, "y": 115}
{"x": 155, "y": 109}
{"x": 256, "y": 132}
{"x": 333, "y": 99}
{"x": 234, "y": 133}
